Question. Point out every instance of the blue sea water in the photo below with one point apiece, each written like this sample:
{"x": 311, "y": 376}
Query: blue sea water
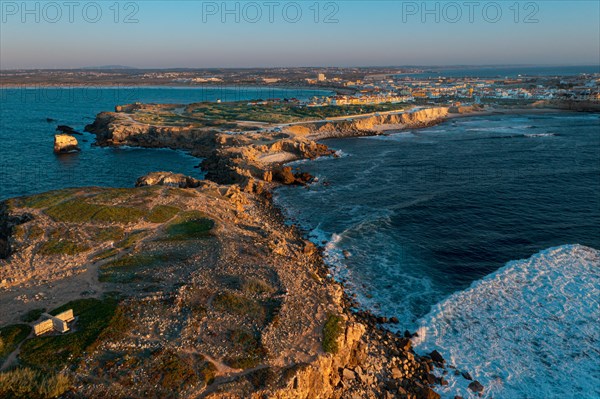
{"x": 28, "y": 164}
{"x": 479, "y": 232}
{"x": 419, "y": 223}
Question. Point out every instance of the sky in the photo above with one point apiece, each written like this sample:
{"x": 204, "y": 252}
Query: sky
{"x": 273, "y": 33}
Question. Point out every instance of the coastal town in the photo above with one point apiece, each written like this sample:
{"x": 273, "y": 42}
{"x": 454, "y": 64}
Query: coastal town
{"x": 357, "y": 86}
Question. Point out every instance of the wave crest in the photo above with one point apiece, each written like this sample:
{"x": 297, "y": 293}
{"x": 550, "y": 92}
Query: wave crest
{"x": 528, "y": 330}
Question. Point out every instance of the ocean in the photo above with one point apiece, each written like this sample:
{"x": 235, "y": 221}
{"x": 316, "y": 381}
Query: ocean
{"x": 28, "y": 164}
{"x": 482, "y": 235}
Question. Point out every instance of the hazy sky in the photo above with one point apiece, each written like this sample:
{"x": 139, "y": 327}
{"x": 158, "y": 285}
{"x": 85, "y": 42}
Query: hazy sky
{"x": 42, "y": 34}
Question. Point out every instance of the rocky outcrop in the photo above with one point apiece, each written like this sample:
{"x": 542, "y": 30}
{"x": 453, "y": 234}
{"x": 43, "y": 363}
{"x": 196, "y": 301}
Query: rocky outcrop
{"x": 8, "y": 222}
{"x": 64, "y": 143}
{"x": 115, "y": 129}
{"x": 168, "y": 179}
{"x": 66, "y": 129}
{"x": 373, "y": 125}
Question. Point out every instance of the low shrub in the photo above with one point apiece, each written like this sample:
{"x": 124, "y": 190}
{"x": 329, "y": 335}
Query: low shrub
{"x": 334, "y": 327}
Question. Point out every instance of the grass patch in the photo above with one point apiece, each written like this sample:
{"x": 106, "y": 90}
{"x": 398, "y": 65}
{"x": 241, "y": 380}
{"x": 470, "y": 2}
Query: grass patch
{"x": 35, "y": 232}
{"x": 334, "y": 327}
{"x": 128, "y": 269}
{"x": 73, "y": 211}
{"x": 27, "y": 383}
{"x": 254, "y": 286}
{"x": 11, "y": 336}
{"x": 118, "y": 214}
{"x": 162, "y": 213}
{"x": 32, "y": 315}
{"x": 247, "y": 345}
{"x": 132, "y": 239}
{"x": 112, "y": 233}
{"x": 173, "y": 372}
{"x": 62, "y": 247}
{"x": 239, "y": 305}
{"x": 51, "y": 352}
{"x": 48, "y": 199}
{"x": 108, "y": 253}
{"x": 192, "y": 229}
{"x": 112, "y": 194}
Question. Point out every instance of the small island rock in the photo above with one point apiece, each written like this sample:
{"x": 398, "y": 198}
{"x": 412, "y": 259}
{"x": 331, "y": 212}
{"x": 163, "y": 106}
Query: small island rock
{"x": 63, "y": 143}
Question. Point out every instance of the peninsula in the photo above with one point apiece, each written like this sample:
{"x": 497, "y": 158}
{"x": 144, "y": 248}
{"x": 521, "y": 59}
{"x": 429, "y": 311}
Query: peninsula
{"x": 183, "y": 287}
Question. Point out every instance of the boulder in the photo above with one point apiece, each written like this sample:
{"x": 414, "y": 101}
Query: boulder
{"x": 437, "y": 357}
{"x": 66, "y": 129}
{"x": 168, "y": 179}
{"x": 428, "y": 393}
{"x": 64, "y": 143}
{"x": 476, "y": 386}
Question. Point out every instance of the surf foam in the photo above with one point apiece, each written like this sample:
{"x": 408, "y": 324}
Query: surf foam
{"x": 529, "y": 330}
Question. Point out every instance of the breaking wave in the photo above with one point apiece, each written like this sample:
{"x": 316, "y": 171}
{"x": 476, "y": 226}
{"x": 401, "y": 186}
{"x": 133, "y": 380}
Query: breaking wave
{"x": 529, "y": 330}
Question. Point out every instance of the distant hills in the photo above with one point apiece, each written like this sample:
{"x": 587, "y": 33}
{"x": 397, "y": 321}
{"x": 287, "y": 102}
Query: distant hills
{"x": 109, "y": 67}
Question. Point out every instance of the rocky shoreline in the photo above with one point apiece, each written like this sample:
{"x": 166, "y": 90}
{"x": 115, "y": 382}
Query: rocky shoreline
{"x": 311, "y": 346}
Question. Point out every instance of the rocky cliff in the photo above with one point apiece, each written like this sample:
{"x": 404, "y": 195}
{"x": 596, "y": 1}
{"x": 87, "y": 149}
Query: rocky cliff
{"x": 116, "y": 128}
{"x": 254, "y": 158}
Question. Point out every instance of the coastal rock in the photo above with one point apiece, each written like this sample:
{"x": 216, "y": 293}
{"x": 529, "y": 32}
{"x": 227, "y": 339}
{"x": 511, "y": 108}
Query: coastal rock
{"x": 476, "y": 386}
{"x": 437, "y": 357}
{"x": 66, "y": 129}
{"x": 168, "y": 179}
{"x": 428, "y": 393}
{"x": 63, "y": 143}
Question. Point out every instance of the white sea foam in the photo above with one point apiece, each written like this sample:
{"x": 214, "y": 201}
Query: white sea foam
{"x": 540, "y": 135}
{"x": 529, "y": 330}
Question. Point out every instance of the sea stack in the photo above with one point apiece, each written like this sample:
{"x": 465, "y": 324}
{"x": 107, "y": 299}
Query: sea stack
{"x": 63, "y": 143}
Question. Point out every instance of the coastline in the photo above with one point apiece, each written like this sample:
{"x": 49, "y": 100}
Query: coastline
{"x": 245, "y": 164}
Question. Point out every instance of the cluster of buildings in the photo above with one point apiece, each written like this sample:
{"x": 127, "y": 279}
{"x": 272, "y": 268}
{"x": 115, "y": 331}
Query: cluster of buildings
{"x": 374, "y": 89}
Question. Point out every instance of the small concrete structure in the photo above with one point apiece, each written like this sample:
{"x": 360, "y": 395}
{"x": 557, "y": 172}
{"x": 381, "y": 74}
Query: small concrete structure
{"x": 57, "y": 323}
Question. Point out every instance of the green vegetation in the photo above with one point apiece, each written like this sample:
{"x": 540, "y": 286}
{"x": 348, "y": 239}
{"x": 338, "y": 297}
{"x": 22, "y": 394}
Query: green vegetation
{"x": 108, "y": 253}
{"x": 128, "y": 269}
{"x": 62, "y": 247}
{"x": 48, "y": 199}
{"x": 108, "y": 234}
{"x": 27, "y": 383}
{"x": 207, "y": 372}
{"x": 239, "y": 305}
{"x": 275, "y": 112}
{"x": 51, "y": 352}
{"x": 162, "y": 213}
{"x": 112, "y": 194}
{"x": 118, "y": 214}
{"x": 334, "y": 327}
{"x": 35, "y": 232}
{"x": 173, "y": 371}
{"x": 193, "y": 229}
{"x": 132, "y": 239}
{"x": 74, "y": 211}
{"x": 247, "y": 345}
{"x": 80, "y": 211}
{"x": 32, "y": 315}
{"x": 252, "y": 285}
{"x": 262, "y": 378}
{"x": 225, "y": 115}
{"x": 11, "y": 336}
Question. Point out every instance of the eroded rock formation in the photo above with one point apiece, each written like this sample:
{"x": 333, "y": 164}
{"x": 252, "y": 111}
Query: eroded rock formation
{"x": 64, "y": 143}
